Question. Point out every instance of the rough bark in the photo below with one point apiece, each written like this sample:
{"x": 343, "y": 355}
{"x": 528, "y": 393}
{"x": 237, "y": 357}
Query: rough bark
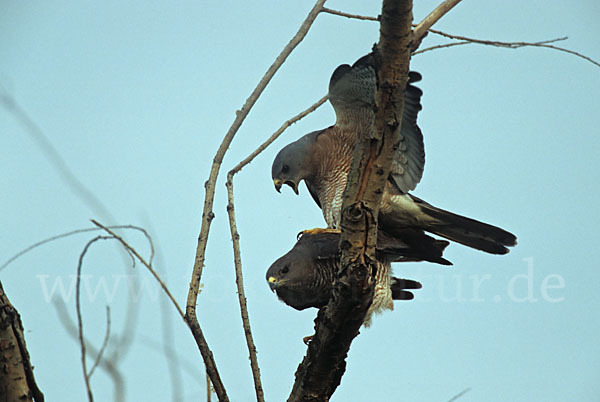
{"x": 16, "y": 373}
{"x": 338, "y": 323}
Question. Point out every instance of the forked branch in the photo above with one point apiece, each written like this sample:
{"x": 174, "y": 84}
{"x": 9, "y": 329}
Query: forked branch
{"x": 210, "y": 186}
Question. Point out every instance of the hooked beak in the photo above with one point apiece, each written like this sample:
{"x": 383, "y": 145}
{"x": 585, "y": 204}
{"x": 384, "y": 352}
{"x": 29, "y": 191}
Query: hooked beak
{"x": 272, "y": 283}
{"x": 278, "y": 183}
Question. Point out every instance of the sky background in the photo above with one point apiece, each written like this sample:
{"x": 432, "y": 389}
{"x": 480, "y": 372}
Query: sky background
{"x": 136, "y": 97}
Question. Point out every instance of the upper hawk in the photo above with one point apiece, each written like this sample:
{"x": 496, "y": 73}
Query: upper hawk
{"x": 323, "y": 159}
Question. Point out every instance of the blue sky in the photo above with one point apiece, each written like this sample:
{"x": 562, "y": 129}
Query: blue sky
{"x": 136, "y": 96}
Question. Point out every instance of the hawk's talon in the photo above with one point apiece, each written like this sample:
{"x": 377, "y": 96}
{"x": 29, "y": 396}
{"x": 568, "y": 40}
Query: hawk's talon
{"x": 307, "y": 339}
{"x": 317, "y": 231}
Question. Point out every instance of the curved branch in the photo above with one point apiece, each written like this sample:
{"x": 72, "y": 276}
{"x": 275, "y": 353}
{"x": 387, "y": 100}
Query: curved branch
{"x": 107, "y": 364}
{"x": 86, "y": 375}
{"x": 422, "y": 27}
{"x": 74, "y": 232}
{"x": 207, "y": 213}
{"x": 210, "y": 185}
{"x": 205, "y": 351}
{"x": 237, "y": 259}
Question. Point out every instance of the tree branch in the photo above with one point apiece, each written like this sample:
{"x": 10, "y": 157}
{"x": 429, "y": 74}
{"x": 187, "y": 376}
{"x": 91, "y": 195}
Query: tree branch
{"x": 239, "y": 281}
{"x": 435, "y": 15}
{"x": 107, "y": 364}
{"x": 205, "y": 351}
{"x": 347, "y": 15}
{"x": 207, "y": 214}
{"x": 104, "y": 343}
{"x": 82, "y": 345}
{"x": 236, "y": 243}
{"x": 210, "y": 185}
{"x": 421, "y": 29}
{"x": 17, "y": 382}
{"x": 338, "y": 323}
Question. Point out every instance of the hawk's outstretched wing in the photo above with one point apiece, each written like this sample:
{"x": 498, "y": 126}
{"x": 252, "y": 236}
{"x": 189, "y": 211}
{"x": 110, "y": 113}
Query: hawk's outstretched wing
{"x": 352, "y": 92}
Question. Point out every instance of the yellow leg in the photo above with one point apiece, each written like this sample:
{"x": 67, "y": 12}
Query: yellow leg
{"x": 307, "y": 339}
{"x": 316, "y": 231}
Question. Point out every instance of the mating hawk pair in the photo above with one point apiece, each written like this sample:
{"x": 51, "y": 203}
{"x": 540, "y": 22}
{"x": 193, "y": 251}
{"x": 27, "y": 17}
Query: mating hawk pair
{"x": 323, "y": 159}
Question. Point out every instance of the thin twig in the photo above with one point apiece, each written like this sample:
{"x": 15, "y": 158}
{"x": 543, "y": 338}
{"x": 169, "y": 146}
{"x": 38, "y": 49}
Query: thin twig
{"x": 208, "y": 388}
{"x": 562, "y": 49}
{"x": 494, "y": 42}
{"x": 54, "y": 157}
{"x": 236, "y": 242}
{"x": 144, "y": 262}
{"x": 422, "y": 27}
{"x": 210, "y": 186}
{"x": 169, "y": 344}
{"x": 275, "y": 135}
{"x": 104, "y": 343}
{"x": 242, "y": 295}
{"x": 508, "y": 45}
{"x": 196, "y": 331}
{"x": 419, "y": 34}
{"x": 347, "y": 15}
{"x": 86, "y": 376}
{"x": 461, "y": 393}
{"x": 109, "y": 366}
{"x": 85, "y": 194}
{"x": 427, "y": 49}
{"x": 74, "y": 232}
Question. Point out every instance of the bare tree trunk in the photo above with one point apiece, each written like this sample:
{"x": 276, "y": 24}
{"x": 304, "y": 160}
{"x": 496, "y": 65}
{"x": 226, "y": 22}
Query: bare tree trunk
{"x": 337, "y": 324}
{"x": 16, "y": 374}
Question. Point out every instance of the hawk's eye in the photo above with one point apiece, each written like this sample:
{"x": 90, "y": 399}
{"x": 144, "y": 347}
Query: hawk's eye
{"x": 285, "y": 168}
{"x": 285, "y": 270}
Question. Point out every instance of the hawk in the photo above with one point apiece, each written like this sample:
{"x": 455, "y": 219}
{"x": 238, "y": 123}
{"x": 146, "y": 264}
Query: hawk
{"x": 323, "y": 159}
{"x": 304, "y": 276}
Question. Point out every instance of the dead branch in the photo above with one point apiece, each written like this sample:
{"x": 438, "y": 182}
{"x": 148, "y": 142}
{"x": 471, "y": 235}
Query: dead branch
{"x": 169, "y": 344}
{"x": 207, "y": 214}
{"x": 106, "y": 364}
{"x": 56, "y": 160}
{"x": 445, "y": 45}
{"x": 210, "y": 185}
{"x": 79, "y": 189}
{"x": 420, "y": 30}
{"x": 460, "y": 394}
{"x": 74, "y": 232}
{"x": 274, "y": 136}
{"x": 509, "y": 45}
{"x": 86, "y": 374}
{"x": 236, "y": 242}
{"x": 433, "y": 17}
{"x": 104, "y": 343}
{"x": 347, "y": 15}
{"x": 338, "y": 323}
{"x": 242, "y": 295}
{"x": 208, "y": 389}
{"x": 205, "y": 351}
{"x": 17, "y": 381}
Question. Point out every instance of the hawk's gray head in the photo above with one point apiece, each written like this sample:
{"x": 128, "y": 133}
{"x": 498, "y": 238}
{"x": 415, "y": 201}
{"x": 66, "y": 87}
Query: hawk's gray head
{"x": 292, "y": 163}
